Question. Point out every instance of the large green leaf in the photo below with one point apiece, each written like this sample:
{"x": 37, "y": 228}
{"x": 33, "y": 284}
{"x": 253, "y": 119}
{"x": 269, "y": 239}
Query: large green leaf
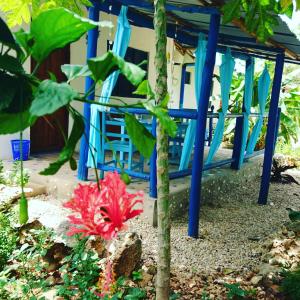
{"x": 25, "y": 41}
{"x": 68, "y": 151}
{"x": 140, "y": 136}
{"x": 160, "y": 113}
{"x": 8, "y": 90}
{"x": 50, "y": 96}
{"x": 144, "y": 89}
{"x": 10, "y": 64}
{"x": 231, "y": 9}
{"x": 74, "y": 71}
{"x": 12, "y": 123}
{"x": 55, "y": 28}
{"x": 103, "y": 66}
{"x": 6, "y": 37}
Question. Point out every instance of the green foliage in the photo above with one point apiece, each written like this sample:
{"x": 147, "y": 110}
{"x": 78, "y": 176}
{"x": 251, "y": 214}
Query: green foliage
{"x": 74, "y": 71}
{"x": 80, "y": 273}
{"x": 159, "y": 111}
{"x": 291, "y": 285}
{"x": 69, "y": 149}
{"x": 205, "y": 296}
{"x": 137, "y": 275}
{"x": 101, "y": 67}
{"x": 141, "y": 137}
{"x": 19, "y": 11}
{"x": 236, "y": 292}
{"x": 8, "y": 240}
{"x": 2, "y": 178}
{"x": 26, "y": 276}
{"x": 63, "y": 27}
{"x": 14, "y": 175}
{"x": 260, "y": 16}
{"x": 50, "y": 96}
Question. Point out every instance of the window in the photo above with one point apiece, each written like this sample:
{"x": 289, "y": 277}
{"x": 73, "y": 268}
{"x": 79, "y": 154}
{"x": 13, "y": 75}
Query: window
{"x": 123, "y": 87}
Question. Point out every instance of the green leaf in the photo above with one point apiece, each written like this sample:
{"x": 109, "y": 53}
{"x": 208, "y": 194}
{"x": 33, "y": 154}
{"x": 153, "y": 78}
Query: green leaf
{"x": 11, "y": 64}
{"x": 6, "y": 37}
{"x": 8, "y": 90}
{"x": 140, "y": 136}
{"x": 68, "y": 151}
{"x": 103, "y": 66}
{"x": 25, "y": 40}
{"x": 12, "y": 123}
{"x": 56, "y": 28}
{"x": 160, "y": 113}
{"x": 144, "y": 89}
{"x": 74, "y": 71}
{"x": 231, "y": 10}
{"x": 50, "y": 96}
{"x": 297, "y": 4}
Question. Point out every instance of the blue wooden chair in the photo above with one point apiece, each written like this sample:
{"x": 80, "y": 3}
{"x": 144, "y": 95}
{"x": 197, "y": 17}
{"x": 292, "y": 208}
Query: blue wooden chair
{"x": 114, "y": 139}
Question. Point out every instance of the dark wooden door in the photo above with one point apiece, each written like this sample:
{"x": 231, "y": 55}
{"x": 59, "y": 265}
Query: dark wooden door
{"x": 45, "y": 134}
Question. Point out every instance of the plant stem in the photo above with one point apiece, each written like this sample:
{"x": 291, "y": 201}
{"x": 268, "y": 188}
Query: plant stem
{"x": 163, "y": 205}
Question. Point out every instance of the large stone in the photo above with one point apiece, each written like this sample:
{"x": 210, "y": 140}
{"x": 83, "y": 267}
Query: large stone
{"x": 128, "y": 256}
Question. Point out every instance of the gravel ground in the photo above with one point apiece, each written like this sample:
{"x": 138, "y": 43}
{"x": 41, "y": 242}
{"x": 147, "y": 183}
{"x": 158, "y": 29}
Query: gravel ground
{"x": 231, "y": 232}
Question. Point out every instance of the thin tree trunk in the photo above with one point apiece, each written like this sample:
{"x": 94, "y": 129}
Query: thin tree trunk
{"x": 163, "y": 269}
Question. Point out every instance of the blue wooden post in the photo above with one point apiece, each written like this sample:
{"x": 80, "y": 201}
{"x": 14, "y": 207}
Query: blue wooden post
{"x": 195, "y": 195}
{"x": 237, "y": 143}
{"x": 91, "y": 52}
{"x": 182, "y": 86}
{"x": 271, "y": 130}
{"x": 153, "y": 166}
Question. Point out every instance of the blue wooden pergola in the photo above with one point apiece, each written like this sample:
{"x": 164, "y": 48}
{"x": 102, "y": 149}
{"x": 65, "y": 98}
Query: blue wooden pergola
{"x": 186, "y": 19}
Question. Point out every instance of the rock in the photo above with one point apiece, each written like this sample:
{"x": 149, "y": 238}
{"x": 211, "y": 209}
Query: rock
{"x": 151, "y": 269}
{"x": 99, "y": 245}
{"x": 256, "y": 280}
{"x": 128, "y": 256}
{"x": 55, "y": 254}
{"x": 294, "y": 228}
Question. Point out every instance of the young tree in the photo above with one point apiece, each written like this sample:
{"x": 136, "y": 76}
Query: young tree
{"x": 163, "y": 265}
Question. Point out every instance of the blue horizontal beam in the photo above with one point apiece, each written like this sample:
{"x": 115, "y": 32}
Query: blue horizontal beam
{"x": 217, "y": 164}
{"x": 169, "y": 7}
{"x": 106, "y": 168}
{"x": 180, "y": 174}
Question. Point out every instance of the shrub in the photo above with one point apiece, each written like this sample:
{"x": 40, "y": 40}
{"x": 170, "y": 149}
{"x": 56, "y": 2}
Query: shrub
{"x": 291, "y": 285}
{"x": 8, "y": 240}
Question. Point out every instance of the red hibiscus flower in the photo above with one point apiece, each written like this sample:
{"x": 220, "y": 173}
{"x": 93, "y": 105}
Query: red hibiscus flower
{"x": 103, "y": 212}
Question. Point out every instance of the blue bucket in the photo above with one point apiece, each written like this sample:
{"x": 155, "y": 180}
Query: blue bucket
{"x": 15, "y": 146}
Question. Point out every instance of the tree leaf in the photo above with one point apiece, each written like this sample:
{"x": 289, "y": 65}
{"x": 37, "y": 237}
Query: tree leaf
{"x": 50, "y": 96}
{"x": 11, "y": 64}
{"x": 55, "y": 28}
{"x": 144, "y": 89}
{"x": 8, "y": 90}
{"x": 74, "y": 71}
{"x": 140, "y": 136}
{"x": 69, "y": 149}
{"x": 160, "y": 113}
{"x": 297, "y": 4}
{"x": 231, "y": 10}
{"x": 103, "y": 66}
{"x": 25, "y": 41}
{"x": 6, "y": 37}
{"x": 12, "y": 123}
